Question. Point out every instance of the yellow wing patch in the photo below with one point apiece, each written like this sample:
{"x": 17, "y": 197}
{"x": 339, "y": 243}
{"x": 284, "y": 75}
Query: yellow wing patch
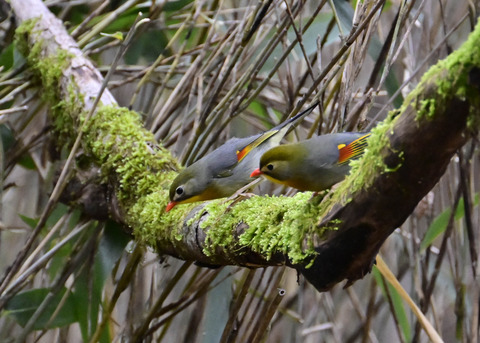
{"x": 244, "y": 152}
{"x": 352, "y": 150}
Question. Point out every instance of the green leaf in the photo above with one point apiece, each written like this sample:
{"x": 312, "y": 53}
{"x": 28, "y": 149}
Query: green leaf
{"x": 142, "y": 48}
{"x": 8, "y": 140}
{"x": 62, "y": 255}
{"x": 57, "y": 263}
{"x": 217, "y": 308}
{"x": 110, "y": 250}
{"x": 397, "y": 304}
{"x": 111, "y": 247}
{"x": 58, "y": 212}
{"x": 438, "y": 226}
{"x": 400, "y": 313}
{"x": 172, "y": 6}
{"x": 77, "y": 14}
{"x": 258, "y": 109}
{"x": 392, "y": 85}
{"x": 74, "y": 219}
{"x": 23, "y": 305}
{"x": 27, "y": 162}
{"x": 123, "y": 22}
{"x": 32, "y": 222}
{"x": 117, "y": 35}
{"x": 391, "y": 82}
{"x": 345, "y": 14}
{"x": 7, "y": 58}
{"x": 460, "y": 212}
{"x": 317, "y": 29}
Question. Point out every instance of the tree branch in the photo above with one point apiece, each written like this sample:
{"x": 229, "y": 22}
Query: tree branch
{"x": 407, "y": 155}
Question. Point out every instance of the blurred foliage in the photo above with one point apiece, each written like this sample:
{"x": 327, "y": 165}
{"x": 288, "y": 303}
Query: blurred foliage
{"x": 201, "y": 72}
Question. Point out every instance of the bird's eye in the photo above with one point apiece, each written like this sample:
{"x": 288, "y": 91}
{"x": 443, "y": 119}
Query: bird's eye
{"x": 179, "y": 190}
{"x": 270, "y": 166}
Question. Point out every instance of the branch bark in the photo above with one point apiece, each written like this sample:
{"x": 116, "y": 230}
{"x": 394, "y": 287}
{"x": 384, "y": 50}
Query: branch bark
{"x": 80, "y": 71}
{"x": 407, "y": 155}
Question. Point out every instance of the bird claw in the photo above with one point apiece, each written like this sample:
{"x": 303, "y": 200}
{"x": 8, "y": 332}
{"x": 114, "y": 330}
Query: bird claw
{"x": 241, "y": 195}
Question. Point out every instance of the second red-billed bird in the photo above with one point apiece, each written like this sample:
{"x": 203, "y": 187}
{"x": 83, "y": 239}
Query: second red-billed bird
{"x": 314, "y": 164}
{"x": 227, "y": 169}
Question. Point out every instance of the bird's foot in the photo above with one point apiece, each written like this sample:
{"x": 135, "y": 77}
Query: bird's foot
{"x": 242, "y": 193}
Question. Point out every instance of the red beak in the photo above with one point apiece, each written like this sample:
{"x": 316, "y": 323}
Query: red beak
{"x": 170, "y": 205}
{"x": 256, "y": 172}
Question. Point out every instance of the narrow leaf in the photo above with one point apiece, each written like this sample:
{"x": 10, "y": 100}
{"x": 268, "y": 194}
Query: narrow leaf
{"x": 438, "y": 226}
{"x": 22, "y": 306}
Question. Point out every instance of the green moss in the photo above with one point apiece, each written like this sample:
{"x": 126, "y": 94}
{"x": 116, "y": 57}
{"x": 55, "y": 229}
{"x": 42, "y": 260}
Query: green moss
{"x": 150, "y": 222}
{"x": 447, "y": 79}
{"x": 113, "y": 138}
{"x": 109, "y": 136}
{"x": 142, "y": 171}
{"x": 285, "y": 225}
{"x": 278, "y": 225}
{"x": 23, "y": 31}
{"x": 288, "y": 224}
{"x": 450, "y": 78}
{"x": 295, "y": 219}
{"x": 364, "y": 170}
{"x": 473, "y": 121}
{"x": 427, "y": 108}
{"x": 48, "y": 71}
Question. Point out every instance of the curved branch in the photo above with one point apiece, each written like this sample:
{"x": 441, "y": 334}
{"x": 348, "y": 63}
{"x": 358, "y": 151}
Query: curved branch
{"x": 407, "y": 155}
{"x": 420, "y": 152}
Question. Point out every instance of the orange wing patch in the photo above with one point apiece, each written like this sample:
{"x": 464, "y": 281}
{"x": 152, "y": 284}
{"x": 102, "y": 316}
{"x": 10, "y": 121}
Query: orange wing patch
{"x": 244, "y": 152}
{"x": 352, "y": 150}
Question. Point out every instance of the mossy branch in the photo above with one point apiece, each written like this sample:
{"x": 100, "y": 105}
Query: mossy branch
{"x": 329, "y": 241}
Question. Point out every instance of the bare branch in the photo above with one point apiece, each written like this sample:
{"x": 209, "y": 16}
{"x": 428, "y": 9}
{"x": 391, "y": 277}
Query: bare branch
{"x": 407, "y": 155}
